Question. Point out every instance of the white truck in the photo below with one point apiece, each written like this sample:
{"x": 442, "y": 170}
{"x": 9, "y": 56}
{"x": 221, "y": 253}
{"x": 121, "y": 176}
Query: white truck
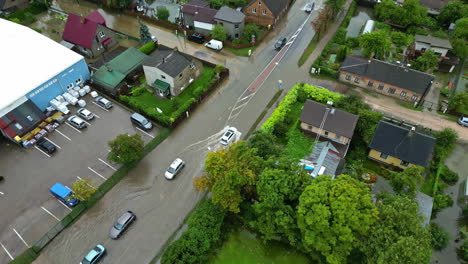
{"x": 214, "y": 44}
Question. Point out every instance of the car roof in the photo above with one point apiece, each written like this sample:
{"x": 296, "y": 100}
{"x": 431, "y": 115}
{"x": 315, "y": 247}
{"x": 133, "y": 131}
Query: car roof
{"x": 176, "y": 162}
{"x": 93, "y": 253}
{"x": 124, "y": 217}
{"x": 84, "y": 110}
{"x": 60, "y": 189}
{"x": 138, "y": 116}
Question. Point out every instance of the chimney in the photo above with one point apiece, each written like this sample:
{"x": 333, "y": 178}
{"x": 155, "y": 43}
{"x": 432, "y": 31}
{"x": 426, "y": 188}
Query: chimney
{"x": 109, "y": 69}
{"x": 82, "y": 19}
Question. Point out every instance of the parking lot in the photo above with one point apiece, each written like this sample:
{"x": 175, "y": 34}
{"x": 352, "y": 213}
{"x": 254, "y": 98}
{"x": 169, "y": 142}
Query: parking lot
{"x": 28, "y": 208}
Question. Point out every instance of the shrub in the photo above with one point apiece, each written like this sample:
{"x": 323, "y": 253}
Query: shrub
{"x": 445, "y": 92}
{"x": 413, "y": 30}
{"x": 440, "y": 237}
{"x": 449, "y": 176}
{"x": 137, "y": 91}
{"x": 463, "y": 251}
{"x": 441, "y": 201}
{"x": 236, "y": 41}
{"x": 148, "y": 48}
{"x": 343, "y": 52}
{"x": 162, "y": 13}
{"x": 352, "y": 43}
{"x": 249, "y": 30}
{"x": 340, "y": 36}
{"x": 280, "y": 129}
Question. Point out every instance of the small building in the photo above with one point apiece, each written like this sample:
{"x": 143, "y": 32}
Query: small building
{"x": 369, "y": 26}
{"x": 400, "y": 146}
{"x": 441, "y": 47}
{"x": 425, "y": 204}
{"x": 329, "y": 123}
{"x": 198, "y": 15}
{"x": 265, "y": 12}
{"x": 12, "y": 4}
{"x": 113, "y": 75}
{"x": 395, "y": 80}
{"x": 169, "y": 71}
{"x": 232, "y": 21}
{"x": 324, "y": 160}
{"x": 90, "y": 34}
{"x": 434, "y": 6}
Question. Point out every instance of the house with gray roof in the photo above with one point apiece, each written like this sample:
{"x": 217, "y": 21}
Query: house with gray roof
{"x": 401, "y": 146}
{"x": 392, "y": 79}
{"x": 169, "y": 71}
{"x": 232, "y": 21}
{"x": 441, "y": 47}
{"x": 265, "y": 12}
{"x": 324, "y": 160}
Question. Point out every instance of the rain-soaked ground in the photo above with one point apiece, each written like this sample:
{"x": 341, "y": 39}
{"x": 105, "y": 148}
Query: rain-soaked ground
{"x": 50, "y": 24}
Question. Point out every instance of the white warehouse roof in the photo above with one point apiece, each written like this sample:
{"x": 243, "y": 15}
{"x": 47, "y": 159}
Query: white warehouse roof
{"x": 27, "y": 60}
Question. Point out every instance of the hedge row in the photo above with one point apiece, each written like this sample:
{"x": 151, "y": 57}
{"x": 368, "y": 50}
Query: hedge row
{"x": 203, "y": 233}
{"x": 148, "y": 48}
{"x": 299, "y": 90}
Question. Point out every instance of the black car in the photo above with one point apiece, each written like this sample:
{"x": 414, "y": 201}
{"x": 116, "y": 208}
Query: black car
{"x": 280, "y": 43}
{"x": 46, "y": 146}
{"x": 196, "y": 37}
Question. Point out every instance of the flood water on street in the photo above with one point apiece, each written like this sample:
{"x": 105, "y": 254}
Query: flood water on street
{"x": 361, "y": 15}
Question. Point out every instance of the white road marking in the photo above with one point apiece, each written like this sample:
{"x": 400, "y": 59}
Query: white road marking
{"x": 20, "y": 237}
{"x": 101, "y": 107}
{"x": 97, "y": 116}
{"x": 51, "y": 214}
{"x": 246, "y": 97}
{"x": 145, "y": 132}
{"x": 97, "y": 173}
{"x": 63, "y": 134}
{"x": 64, "y": 205}
{"x": 4, "y": 248}
{"x": 73, "y": 128}
{"x": 107, "y": 164}
{"x": 42, "y": 151}
{"x": 48, "y": 139}
{"x": 2, "y": 193}
{"x": 87, "y": 123}
{"x": 79, "y": 178}
{"x": 234, "y": 109}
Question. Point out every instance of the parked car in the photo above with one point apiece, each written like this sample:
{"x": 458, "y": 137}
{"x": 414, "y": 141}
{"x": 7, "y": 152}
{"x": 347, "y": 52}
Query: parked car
{"x": 85, "y": 114}
{"x": 141, "y": 121}
{"x": 94, "y": 255}
{"x": 196, "y": 37}
{"x": 309, "y": 7}
{"x": 103, "y": 102}
{"x": 280, "y": 43}
{"x": 214, "y": 44}
{"x": 76, "y": 122}
{"x": 228, "y": 136}
{"x": 176, "y": 166}
{"x": 64, "y": 194}
{"x": 122, "y": 224}
{"x": 46, "y": 146}
{"x": 463, "y": 121}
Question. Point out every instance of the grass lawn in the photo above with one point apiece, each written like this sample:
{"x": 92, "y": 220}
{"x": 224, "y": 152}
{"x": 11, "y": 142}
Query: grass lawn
{"x": 409, "y": 106}
{"x": 299, "y": 145}
{"x": 296, "y": 110}
{"x": 241, "y": 52}
{"x": 243, "y": 248}
{"x": 448, "y": 117}
{"x": 307, "y": 52}
{"x": 376, "y": 168}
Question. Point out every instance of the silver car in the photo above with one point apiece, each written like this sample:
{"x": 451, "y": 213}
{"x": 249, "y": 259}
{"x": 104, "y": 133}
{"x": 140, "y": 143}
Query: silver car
{"x": 121, "y": 224}
{"x": 463, "y": 121}
{"x": 85, "y": 114}
{"x": 76, "y": 122}
{"x": 103, "y": 102}
{"x": 176, "y": 166}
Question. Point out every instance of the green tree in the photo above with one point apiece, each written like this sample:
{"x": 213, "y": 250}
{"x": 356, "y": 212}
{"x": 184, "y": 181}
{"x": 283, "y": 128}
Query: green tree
{"x": 461, "y": 29}
{"x": 460, "y": 47}
{"x": 440, "y": 237}
{"x": 219, "y": 33}
{"x": 398, "y": 236}
{"x": 343, "y": 52}
{"x": 445, "y": 142}
{"x": 40, "y": 3}
{"x": 428, "y": 60}
{"x": 376, "y": 43}
{"x": 265, "y": 144}
{"x": 335, "y": 5}
{"x": 217, "y": 4}
{"x": 334, "y": 215}
{"x": 400, "y": 39}
{"x": 162, "y": 13}
{"x": 411, "y": 13}
{"x": 367, "y": 123}
{"x": 145, "y": 35}
{"x": 230, "y": 175}
{"x": 120, "y": 4}
{"x": 452, "y": 12}
{"x": 83, "y": 189}
{"x": 459, "y": 103}
{"x": 249, "y": 30}
{"x": 125, "y": 149}
{"x": 407, "y": 180}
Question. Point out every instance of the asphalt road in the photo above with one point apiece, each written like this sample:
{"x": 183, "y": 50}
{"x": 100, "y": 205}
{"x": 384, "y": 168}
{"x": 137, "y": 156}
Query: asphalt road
{"x": 162, "y": 205}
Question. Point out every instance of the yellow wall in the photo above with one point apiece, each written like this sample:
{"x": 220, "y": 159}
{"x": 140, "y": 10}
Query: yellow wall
{"x": 374, "y": 154}
{"x": 331, "y": 135}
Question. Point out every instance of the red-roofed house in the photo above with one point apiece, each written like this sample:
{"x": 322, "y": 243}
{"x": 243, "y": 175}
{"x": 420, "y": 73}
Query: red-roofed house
{"x": 90, "y": 34}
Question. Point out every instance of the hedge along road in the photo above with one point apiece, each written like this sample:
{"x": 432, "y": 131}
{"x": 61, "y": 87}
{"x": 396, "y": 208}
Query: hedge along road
{"x": 162, "y": 205}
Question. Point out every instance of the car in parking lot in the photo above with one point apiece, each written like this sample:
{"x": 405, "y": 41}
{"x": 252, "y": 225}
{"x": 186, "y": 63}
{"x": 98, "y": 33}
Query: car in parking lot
{"x": 463, "y": 121}
{"x": 309, "y": 7}
{"x": 94, "y": 255}
{"x": 85, "y": 114}
{"x": 280, "y": 43}
{"x": 64, "y": 194}
{"x": 77, "y": 122}
{"x": 122, "y": 224}
{"x": 46, "y": 146}
{"x": 196, "y": 37}
{"x": 228, "y": 136}
{"x": 176, "y": 166}
{"x": 103, "y": 102}
{"x": 141, "y": 121}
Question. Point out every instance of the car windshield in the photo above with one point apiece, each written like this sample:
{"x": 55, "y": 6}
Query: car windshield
{"x": 144, "y": 121}
{"x": 118, "y": 226}
{"x": 171, "y": 170}
{"x": 228, "y": 134}
{"x": 278, "y": 42}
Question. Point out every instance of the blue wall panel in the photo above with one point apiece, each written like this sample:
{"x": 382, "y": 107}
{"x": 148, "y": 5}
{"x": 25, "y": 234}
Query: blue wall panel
{"x": 57, "y": 85}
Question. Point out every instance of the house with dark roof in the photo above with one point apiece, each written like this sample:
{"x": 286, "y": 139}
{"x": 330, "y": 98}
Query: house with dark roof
{"x": 232, "y": 21}
{"x": 265, "y": 12}
{"x": 329, "y": 123}
{"x": 441, "y": 47}
{"x": 169, "y": 71}
{"x": 198, "y": 15}
{"x": 12, "y": 4}
{"x": 395, "y": 80}
{"x": 90, "y": 34}
{"x": 324, "y": 160}
{"x": 434, "y": 6}
{"x": 400, "y": 146}
{"x": 112, "y": 76}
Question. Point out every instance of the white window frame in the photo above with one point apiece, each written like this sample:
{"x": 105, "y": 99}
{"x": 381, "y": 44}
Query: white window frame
{"x": 254, "y": 10}
{"x": 264, "y": 12}
{"x": 101, "y": 34}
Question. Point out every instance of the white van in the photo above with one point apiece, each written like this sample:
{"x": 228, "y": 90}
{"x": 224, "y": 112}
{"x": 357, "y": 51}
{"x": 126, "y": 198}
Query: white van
{"x": 214, "y": 44}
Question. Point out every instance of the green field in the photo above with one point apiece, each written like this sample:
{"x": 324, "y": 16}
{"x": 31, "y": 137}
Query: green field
{"x": 243, "y": 248}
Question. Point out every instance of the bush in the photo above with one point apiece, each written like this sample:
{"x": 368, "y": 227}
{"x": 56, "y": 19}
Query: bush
{"x": 148, "y": 48}
{"x": 236, "y": 41}
{"x": 463, "y": 251}
{"x": 413, "y": 30}
{"x": 137, "y": 91}
{"x": 162, "y": 13}
{"x": 441, "y": 201}
{"x": 342, "y": 53}
{"x": 340, "y": 36}
{"x": 445, "y": 92}
{"x": 249, "y": 30}
{"x": 352, "y": 43}
{"x": 280, "y": 129}
{"x": 440, "y": 237}
{"x": 448, "y": 176}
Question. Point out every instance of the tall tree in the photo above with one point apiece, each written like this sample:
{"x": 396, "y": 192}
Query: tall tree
{"x": 265, "y": 144}
{"x": 398, "y": 236}
{"x": 125, "y": 149}
{"x": 162, "y": 13}
{"x": 119, "y": 4}
{"x": 335, "y": 5}
{"x": 427, "y": 61}
{"x": 83, "y": 189}
{"x": 219, "y": 33}
{"x": 376, "y": 43}
{"x": 461, "y": 29}
{"x": 452, "y": 12}
{"x": 459, "y": 103}
{"x": 334, "y": 215}
{"x": 411, "y": 13}
{"x": 145, "y": 35}
{"x": 460, "y": 47}
{"x": 407, "y": 180}
{"x": 400, "y": 39}
{"x": 230, "y": 175}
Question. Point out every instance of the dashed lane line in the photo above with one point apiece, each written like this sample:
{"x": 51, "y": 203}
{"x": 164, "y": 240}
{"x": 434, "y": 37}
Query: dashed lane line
{"x": 97, "y": 173}
{"x": 58, "y": 131}
{"x": 4, "y": 248}
{"x": 20, "y": 237}
{"x": 51, "y": 214}
{"x": 108, "y": 165}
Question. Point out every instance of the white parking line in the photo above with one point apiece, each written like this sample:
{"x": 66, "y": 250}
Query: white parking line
{"x": 20, "y": 237}
{"x": 87, "y": 123}
{"x": 2, "y": 193}
{"x": 47, "y": 211}
{"x": 97, "y": 173}
{"x": 101, "y": 107}
{"x": 42, "y": 151}
{"x": 73, "y": 128}
{"x": 63, "y": 134}
{"x": 97, "y": 116}
{"x": 145, "y": 132}
{"x": 4, "y": 248}
{"x": 107, "y": 164}
{"x": 65, "y": 205}
{"x": 79, "y": 178}
{"x": 48, "y": 139}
